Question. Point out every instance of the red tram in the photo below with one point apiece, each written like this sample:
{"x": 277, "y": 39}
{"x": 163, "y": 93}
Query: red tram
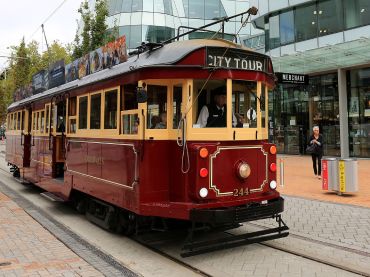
{"x": 126, "y": 145}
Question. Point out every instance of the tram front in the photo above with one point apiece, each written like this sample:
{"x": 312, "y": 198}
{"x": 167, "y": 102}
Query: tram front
{"x": 232, "y": 166}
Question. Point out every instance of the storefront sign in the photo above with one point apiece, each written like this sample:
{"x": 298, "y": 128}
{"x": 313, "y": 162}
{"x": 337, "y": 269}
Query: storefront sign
{"x": 233, "y": 58}
{"x": 290, "y": 78}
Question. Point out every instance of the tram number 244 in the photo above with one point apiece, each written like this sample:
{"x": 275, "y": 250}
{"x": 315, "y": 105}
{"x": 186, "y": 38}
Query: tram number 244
{"x": 241, "y": 192}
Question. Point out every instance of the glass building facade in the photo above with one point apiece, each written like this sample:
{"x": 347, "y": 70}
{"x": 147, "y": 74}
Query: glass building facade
{"x": 160, "y": 20}
{"x": 328, "y": 40}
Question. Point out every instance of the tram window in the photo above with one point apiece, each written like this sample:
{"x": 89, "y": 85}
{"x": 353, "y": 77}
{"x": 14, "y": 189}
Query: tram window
{"x": 210, "y": 110}
{"x": 130, "y": 124}
{"x": 72, "y": 106}
{"x": 128, "y": 98}
{"x": 33, "y": 121}
{"x": 157, "y": 107}
{"x": 19, "y": 121}
{"x": 22, "y": 122}
{"x": 42, "y": 121}
{"x": 263, "y": 106}
{"x": 244, "y": 103}
{"x": 110, "y": 110}
{"x": 82, "y": 112}
{"x": 61, "y": 114}
{"x": 177, "y": 100}
{"x": 47, "y": 115}
{"x": 95, "y": 111}
{"x": 37, "y": 121}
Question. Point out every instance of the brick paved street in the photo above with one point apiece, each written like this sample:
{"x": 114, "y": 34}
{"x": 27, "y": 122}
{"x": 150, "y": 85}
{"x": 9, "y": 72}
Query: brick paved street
{"x": 27, "y": 249}
{"x": 300, "y": 181}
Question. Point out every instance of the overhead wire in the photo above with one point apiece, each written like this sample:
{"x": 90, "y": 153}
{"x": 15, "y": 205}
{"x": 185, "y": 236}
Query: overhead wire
{"x": 47, "y": 18}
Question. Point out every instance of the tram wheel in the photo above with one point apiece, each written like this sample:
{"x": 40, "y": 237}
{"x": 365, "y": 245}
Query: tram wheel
{"x": 127, "y": 224}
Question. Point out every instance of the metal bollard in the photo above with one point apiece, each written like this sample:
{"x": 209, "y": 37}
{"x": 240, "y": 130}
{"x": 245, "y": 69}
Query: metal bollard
{"x": 281, "y": 161}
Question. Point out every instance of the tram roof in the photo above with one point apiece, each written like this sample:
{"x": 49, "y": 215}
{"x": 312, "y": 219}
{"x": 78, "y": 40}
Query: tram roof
{"x": 167, "y": 55}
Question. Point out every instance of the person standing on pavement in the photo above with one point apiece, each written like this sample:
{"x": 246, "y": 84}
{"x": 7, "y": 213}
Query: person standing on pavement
{"x": 316, "y": 140}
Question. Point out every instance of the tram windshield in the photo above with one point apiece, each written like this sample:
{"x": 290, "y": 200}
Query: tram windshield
{"x": 211, "y": 104}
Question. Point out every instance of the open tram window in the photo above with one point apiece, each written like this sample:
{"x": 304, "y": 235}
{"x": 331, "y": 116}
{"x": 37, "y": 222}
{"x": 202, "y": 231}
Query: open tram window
{"x": 95, "y": 111}
{"x": 82, "y": 112}
{"x": 110, "y": 109}
{"x": 130, "y": 124}
{"x": 157, "y": 107}
{"x": 209, "y": 109}
{"x": 177, "y": 100}
{"x": 244, "y": 103}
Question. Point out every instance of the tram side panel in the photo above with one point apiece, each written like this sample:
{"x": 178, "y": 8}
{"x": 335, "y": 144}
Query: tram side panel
{"x": 9, "y": 151}
{"x": 104, "y": 170}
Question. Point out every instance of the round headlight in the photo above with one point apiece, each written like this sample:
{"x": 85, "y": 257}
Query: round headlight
{"x": 244, "y": 170}
{"x": 273, "y": 184}
{"x": 203, "y": 192}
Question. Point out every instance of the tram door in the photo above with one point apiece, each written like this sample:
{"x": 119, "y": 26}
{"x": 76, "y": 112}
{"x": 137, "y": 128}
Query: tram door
{"x": 59, "y": 139}
{"x": 26, "y": 136}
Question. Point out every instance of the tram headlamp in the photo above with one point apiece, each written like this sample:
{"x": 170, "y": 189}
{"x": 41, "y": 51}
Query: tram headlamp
{"x": 243, "y": 170}
{"x": 273, "y": 184}
{"x": 203, "y": 192}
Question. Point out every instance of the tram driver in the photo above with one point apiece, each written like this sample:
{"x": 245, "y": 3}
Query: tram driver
{"x": 214, "y": 115}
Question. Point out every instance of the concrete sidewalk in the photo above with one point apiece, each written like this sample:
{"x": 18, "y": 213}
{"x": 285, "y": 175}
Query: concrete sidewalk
{"x": 300, "y": 181}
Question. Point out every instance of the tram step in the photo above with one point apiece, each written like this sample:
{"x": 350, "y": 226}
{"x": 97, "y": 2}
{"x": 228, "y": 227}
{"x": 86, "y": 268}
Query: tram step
{"x": 52, "y": 197}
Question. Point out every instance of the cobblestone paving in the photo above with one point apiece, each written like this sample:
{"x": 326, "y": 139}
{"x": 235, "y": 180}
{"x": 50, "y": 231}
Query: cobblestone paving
{"x": 343, "y": 225}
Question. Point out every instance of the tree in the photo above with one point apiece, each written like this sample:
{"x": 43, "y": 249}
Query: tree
{"x": 94, "y": 29}
{"x": 98, "y": 25}
{"x": 22, "y": 66}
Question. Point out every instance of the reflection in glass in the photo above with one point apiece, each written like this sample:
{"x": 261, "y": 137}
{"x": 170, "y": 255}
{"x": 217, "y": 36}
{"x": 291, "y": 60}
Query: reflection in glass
{"x": 157, "y": 106}
{"x": 167, "y": 7}
{"x": 110, "y": 110}
{"x": 158, "y": 6}
{"x": 274, "y": 32}
{"x": 196, "y": 9}
{"x": 244, "y": 103}
{"x": 126, "y": 6}
{"x": 330, "y": 17}
{"x": 130, "y": 124}
{"x": 82, "y": 113}
{"x": 357, "y": 13}
{"x": 95, "y": 111}
{"x": 286, "y": 27}
{"x": 306, "y": 22}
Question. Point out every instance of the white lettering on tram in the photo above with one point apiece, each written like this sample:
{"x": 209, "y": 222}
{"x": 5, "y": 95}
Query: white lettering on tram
{"x": 238, "y": 63}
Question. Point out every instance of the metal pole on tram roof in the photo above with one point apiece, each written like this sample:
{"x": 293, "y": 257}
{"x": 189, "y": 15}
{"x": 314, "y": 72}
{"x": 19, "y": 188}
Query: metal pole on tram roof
{"x": 251, "y": 11}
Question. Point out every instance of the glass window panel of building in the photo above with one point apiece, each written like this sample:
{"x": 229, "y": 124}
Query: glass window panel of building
{"x": 196, "y": 9}
{"x": 167, "y": 5}
{"x": 330, "y": 15}
{"x": 158, "y": 6}
{"x": 305, "y": 22}
{"x": 357, "y": 13}
{"x": 126, "y": 6}
{"x": 114, "y": 7}
{"x": 359, "y": 112}
{"x": 287, "y": 27}
{"x": 274, "y": 32}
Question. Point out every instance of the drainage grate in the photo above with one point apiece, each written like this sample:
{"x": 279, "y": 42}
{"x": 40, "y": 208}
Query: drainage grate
{"x": 5, "y": 264}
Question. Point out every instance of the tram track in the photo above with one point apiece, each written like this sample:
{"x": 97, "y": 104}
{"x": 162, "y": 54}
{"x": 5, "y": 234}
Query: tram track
{"x": 271, "y": 244}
